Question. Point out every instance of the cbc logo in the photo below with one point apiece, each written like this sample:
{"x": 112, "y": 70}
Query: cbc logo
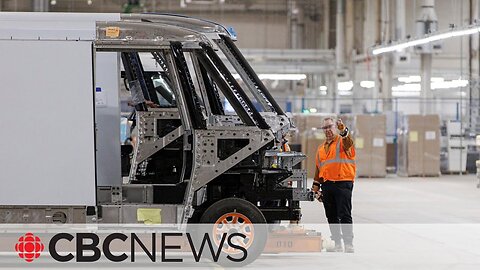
{"x": 29, "y": 247}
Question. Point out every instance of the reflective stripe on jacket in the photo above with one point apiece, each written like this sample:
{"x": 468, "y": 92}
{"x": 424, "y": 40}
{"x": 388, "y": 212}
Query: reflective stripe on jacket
{"x": 336, "y": 165}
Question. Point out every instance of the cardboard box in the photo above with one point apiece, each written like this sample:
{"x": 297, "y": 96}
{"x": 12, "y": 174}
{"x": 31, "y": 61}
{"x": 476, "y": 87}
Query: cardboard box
{"x": 314, "y": 121}
{"x": 311, "y": 140}
{"x": 419, "y": 146}
{"x": 306, "y": 122}
{"x": 431, "y": 145}
{"x": 371, "y": 149}
{"x": 368, "y": 132}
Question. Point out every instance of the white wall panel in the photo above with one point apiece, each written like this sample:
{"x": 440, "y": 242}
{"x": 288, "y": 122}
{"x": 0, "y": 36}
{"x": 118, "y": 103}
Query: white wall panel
{"x": 107, "y": 116}
{"x": 47, "y": 119}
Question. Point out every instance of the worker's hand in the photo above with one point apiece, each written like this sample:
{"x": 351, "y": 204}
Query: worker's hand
{"x": 151, "y": 104}
{"x": 340, "y": 125}
{"x": 318, "y": 195}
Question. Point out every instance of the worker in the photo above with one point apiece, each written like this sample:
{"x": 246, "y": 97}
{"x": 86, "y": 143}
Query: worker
{"x": 285, "y": 146}
{"x": 333, "y": 181}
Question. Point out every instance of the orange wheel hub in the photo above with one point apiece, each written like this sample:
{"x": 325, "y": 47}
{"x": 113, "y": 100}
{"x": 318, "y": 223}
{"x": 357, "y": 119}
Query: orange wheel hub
{"x": 233, "y": 222}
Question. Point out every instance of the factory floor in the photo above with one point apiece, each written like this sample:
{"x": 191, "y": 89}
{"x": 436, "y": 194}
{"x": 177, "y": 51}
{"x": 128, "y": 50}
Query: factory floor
{"x": 404, "y": 223}
{"x": 400, "y": 223}
{"x": 444, "y": 199}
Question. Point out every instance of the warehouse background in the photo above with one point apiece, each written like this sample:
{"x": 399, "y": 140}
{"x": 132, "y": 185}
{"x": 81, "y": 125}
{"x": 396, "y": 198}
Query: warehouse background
{"x": 315, "y": 57}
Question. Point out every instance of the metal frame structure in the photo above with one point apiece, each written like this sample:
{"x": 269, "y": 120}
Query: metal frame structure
{"x": 192, "y": 153}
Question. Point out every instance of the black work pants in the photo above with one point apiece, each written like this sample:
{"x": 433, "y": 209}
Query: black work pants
{"x": 337, "y": 200}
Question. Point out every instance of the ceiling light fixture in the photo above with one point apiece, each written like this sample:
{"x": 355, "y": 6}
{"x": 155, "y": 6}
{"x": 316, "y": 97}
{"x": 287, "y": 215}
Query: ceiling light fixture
{"x": 449, "y": 84}
{"x": 345, "y": 86}
{"x": 277, "y": 77}
{"x": 416, "y": 87}
{"x": 367, "y": 84}
{"x": 284, "y": 77}
{"x": 469, "y": 30}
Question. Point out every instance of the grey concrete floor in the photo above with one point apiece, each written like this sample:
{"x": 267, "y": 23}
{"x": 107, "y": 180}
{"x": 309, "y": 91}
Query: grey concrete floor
{"x": 400, "y": 223}
{"x": 445, "y": 199}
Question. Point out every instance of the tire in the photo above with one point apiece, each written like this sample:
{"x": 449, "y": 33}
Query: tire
{"x": 248, "y": 219}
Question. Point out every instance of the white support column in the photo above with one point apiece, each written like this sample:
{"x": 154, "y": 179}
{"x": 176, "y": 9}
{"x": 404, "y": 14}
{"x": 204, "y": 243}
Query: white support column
{"x": 292, "y": 10}
{"x": 349, "y": 47}
{"x": 400, "y": 19}
{"x": 296, "y": 21}
{"x": 326, "y": 24}
{"x": 387, "y": 59}
{"x": 372, "y": 36}
{"x": 426, "y": 91}
{"x": 339, "y": 50}
{"x": 386, "y": 87}
{"x": 349, "y": 29}
{"x": 340, "y": 34}
{"x": 426, "y": 23}
{"x": 473, "y": 90}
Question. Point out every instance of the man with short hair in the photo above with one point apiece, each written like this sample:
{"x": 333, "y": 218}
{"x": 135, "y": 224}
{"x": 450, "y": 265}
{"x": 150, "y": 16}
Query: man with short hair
{"x": 335, "y": 174}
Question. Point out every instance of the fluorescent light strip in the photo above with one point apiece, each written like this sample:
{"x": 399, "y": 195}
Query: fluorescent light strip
{"x": 367, "y": 84}
{"x": 277, "y": 77}
{"x": 416, "y": 94}
{"x": 416, "y": 87}
{"x": 345, "y": 86}
{"x": 473, "y": 29}
{"x": 286, "y": 77}
{"x": 449, "y": 84}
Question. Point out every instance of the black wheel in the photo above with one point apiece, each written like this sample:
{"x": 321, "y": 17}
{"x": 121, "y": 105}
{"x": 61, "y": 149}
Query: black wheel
{"x": 234, "y": 215}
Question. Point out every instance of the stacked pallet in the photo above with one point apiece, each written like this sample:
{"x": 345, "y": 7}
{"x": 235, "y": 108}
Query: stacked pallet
{"x": 419, "y": 146}
{"x": 368, "y": 131}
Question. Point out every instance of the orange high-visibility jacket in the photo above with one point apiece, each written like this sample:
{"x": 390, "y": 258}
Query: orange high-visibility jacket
{"x": 336, "y": 165}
